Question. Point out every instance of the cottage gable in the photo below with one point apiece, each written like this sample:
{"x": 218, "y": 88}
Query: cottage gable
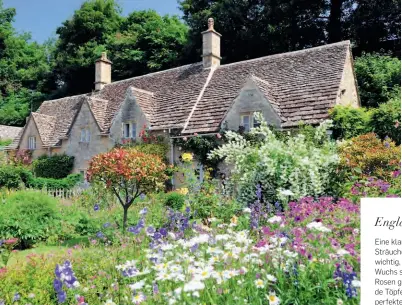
{"x": 347, "y": 93}
{"x": 255, "y": 96}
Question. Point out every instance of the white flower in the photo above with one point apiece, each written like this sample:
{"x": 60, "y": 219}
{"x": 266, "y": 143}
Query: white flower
{"x": 286, "y": 192}
{"x": 275, "y": 219}
{"x": 316, "y": 225}
{"x": 271, "y": 278}
{"x": 194, "y": 285}
{"x": 259, "y": 283}
{"x": 137, "y": 286}
{"x": 356, "y": 283}
{"x": 342, "y": 252}
{"x": 138, "y": 298}
{"x": 247, "y": 210}
{"x": 273, "y": 299}
{"x": 339, "y": 302}
{"x": 110, "y": 302}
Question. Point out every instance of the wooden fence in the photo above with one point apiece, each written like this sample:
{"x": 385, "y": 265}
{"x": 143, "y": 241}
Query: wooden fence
{"x": 61, "y": 193}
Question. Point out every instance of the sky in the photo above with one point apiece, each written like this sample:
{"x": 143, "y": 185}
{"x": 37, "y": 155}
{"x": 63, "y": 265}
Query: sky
{"x": 42, "y": 17}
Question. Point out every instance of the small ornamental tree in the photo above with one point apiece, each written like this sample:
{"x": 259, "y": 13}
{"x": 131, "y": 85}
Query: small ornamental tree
{"x": 127, "y": 173}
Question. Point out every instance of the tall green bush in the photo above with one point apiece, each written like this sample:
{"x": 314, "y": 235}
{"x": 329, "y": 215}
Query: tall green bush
{"x": 9, "y": 177}
{"x": 57, "y": 166}
{"x": 378, "y": 77}
{"x": 386, "y": 120}
{"x": 349, "y": 122}
{"x": 29, "y": 216}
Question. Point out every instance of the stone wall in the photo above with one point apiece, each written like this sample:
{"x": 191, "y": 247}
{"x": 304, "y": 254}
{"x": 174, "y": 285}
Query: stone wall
{"x": 347, "y": 94}
{"x": 83, "y": 152}
{"x": 32, "y": 131}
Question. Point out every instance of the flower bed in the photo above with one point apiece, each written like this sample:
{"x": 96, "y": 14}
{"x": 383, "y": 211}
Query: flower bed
{"x": 308, "y": 254}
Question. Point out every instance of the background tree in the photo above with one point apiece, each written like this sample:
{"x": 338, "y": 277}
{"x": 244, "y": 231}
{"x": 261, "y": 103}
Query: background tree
{"x": 128, "y": 173}
{"x": 378, "y": 78}
{"x": 23, "y": 66}
{"x": 146, "y": 42}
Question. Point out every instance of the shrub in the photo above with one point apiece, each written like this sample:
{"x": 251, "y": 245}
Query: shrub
{"x": 159, "y": 149}
{"x": 367, "y": 155}
{"x": 386, "y": 120}
{"x": 66, "y": 183}
{"x": 29, "y": 216}
{"x": 286, "y": 168}
{"x": 9, "y": 177}
{"x": 57, "y": 166}
{"x": 349, "y": 122}
{"x": 127, "y": 173}
{"x": 174, "y": 200}
{"x": 378, "y": 77}
{"x": 5, "y": 142}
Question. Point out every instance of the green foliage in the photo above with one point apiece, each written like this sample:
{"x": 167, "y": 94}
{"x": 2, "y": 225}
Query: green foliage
{"x": 386, "y": 120}
{"x": 9, "y": 177}
{"x": 57, "y": 166}
{"x": 349, "y": 122}
{"x": 50, "y": 183}
{"x": 174, "y": 200}
{"x": 287, "y": 168}
{"x": 378, "y": 78}
{"x": 29, "y": 216}
{"x": 23, "y": 68}
{"x": 5, "y": 142}
{"x": 159, "y": 149}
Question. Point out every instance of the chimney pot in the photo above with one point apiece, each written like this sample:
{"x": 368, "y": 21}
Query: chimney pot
{"x": 211, "y": 46}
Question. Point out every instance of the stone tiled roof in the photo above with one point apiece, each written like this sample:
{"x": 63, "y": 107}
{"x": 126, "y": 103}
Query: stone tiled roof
{"x": 9, "y": 132}
{"x": 303, "y": 85}
{"x": 98, "y": 107}
{"x": 300, "y": 85}
{"x": 46, "y": 127}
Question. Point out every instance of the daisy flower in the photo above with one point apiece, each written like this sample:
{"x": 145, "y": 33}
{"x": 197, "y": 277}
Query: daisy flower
{"x": 259, "y": 283}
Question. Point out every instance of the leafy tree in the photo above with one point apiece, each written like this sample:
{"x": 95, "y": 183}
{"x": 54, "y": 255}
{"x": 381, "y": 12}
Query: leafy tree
{"x": 146, "y": 42}
{"x": 378, "y": 77}
{"x": 255, "y": 28}
{"x": 81, "y": 41}
{"x": 23, "y": 66}
{"x": 127, "y": 173}
{"x": 386, "y": 120}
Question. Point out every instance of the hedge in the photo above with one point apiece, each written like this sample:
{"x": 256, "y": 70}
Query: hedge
{"x": 57, "y": 166}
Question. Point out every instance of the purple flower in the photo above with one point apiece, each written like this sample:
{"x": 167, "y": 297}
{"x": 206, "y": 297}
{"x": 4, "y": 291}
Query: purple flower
{"x": 150, "y": 230}
{"x": 57, "y": 285}
{"x": 100, "y": 235}
{"x": 155, "y": 288}
{"x": 16, "y": 297}
{"x": 194, "y": 248}
{"x": 107, "y": 225}
{"x": 96, "y": 207}
{"x": 144, "y": 211}
{"x": 395, "y": 174}
{"x": 142, "y": 196}
{"x": 61, "y": 296}
{"x": 163, "y": 232}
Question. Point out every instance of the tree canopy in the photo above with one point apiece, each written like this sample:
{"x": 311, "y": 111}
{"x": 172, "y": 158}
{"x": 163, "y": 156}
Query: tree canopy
{"x": 144, "y": 42}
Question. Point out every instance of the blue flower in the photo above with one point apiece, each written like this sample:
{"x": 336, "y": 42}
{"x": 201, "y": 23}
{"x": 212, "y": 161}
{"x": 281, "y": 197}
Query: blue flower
{"x": 163, "y": 232}
{"x": 96, "y": 207}
{"x": 100, "y": 235}
{"x": 151, "y": 230}
{"x": 144, "y": 211}
{"x": 61, "y": 296}
{"x": 107, "y": 225}
{"x": 57, "y": 285}
{"x": 16, "y": 297}
{"x": 155, "y": 288}
{"x": 142, "y": 196}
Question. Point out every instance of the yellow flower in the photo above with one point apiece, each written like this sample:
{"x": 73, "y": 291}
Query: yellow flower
{"x": 187, "y": 157}
{"x": 183, "y": 191}
{"x": 233, "y": 221}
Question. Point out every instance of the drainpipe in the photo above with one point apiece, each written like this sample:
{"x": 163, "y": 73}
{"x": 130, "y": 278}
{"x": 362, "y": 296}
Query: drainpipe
{"x": 171, "y": 156}
{"x": 49, "y": 154}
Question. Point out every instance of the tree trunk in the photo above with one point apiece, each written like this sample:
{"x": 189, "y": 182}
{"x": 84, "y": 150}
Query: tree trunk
{"x": 334, "y": 24}
{"x": 125, "y": 211}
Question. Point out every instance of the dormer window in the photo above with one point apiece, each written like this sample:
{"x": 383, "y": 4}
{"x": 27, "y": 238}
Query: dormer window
{"x": 32, "y": 143}
{"x": 248, "y": 121}
{"x": 85, "y": 135}
{"x": 130, "y": 130}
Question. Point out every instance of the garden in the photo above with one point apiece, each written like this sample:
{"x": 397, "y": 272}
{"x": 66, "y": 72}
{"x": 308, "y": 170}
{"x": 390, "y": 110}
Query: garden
{"x": 283, "y": 228}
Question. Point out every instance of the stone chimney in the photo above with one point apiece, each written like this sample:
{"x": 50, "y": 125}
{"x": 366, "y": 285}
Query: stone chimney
{"x": 103, "y": 72}
{"x": 211, "y": 46}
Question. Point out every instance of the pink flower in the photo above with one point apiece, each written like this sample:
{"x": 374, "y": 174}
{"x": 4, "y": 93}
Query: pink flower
{"x": 396, "y": 124}
{"x": 218, "y": 135}
{"x": 185, "y": 139}
{"x": 196, "y": 134}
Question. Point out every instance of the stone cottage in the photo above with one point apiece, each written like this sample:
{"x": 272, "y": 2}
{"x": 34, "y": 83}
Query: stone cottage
{"x": 197, "y": 98}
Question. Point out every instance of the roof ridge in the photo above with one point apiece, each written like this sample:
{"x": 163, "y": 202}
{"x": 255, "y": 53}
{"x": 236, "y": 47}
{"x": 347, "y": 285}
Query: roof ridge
{"x": 142, "y": 90}
{"x": 153, "y": 73}
{"x": 62, "y": 98}
{"x": 37, "y": 113}
{"x": 325, "y": 46}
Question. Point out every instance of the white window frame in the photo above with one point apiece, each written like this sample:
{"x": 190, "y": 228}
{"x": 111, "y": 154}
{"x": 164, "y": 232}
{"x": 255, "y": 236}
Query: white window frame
{"x": 252, "y": 122}
{"x": 32, "y": 142}
{"x": 85, "y": 135}
{"x": 132, "y": 130}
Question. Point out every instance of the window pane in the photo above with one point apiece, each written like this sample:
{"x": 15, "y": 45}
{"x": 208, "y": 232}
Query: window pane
{"x": 88, "y": 135}
{"x": 246, "y": 119}
{"x": 82, "y": 138}
{"x": 126, "y": 130}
